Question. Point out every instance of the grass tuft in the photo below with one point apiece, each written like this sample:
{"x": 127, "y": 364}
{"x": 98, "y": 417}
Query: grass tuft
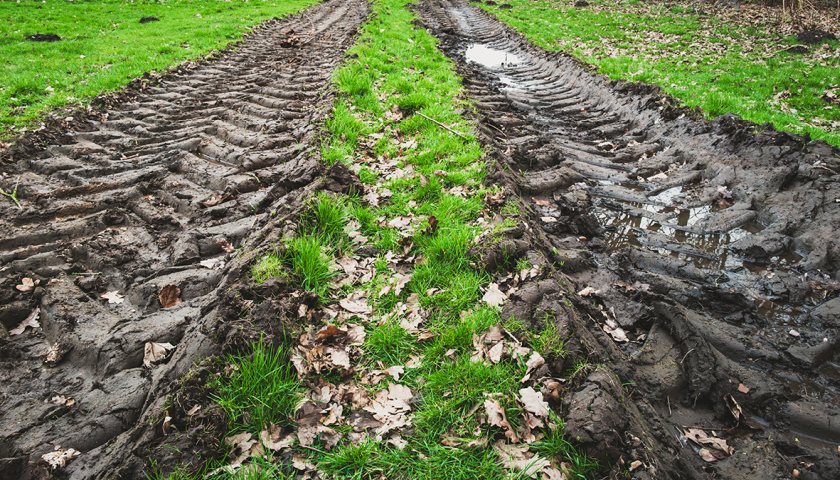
{"x": 261, "y": 389}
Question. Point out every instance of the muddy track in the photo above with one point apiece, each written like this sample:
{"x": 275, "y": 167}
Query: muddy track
{"x": 712, "y": 246}
{"x": 209, "y": 159}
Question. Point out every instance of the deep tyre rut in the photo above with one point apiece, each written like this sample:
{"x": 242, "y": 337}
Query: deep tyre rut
{"x": 158, "y": 191}
{"x": 712, "y": 247}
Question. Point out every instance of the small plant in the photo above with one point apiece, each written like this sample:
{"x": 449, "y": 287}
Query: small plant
{"x": 268, "y": 266}
{"x": 13, "y": 194}
{"x": 261, "y": 389}
{"x": 310, "y": 264}
{"x": 554, "y": 445}
{"x": 326, "y": 218}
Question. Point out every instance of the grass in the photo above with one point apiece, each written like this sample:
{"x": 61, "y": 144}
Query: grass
{"x": 397, "y": 67}
{"x": 704, "y": 61}
{"x": 103, "y": 46}
{"x": 394, "y": 72}
{"x": 261, "y": 389}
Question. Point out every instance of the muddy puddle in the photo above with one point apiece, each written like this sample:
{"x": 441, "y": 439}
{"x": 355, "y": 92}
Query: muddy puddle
{"x": 703, "y": 254}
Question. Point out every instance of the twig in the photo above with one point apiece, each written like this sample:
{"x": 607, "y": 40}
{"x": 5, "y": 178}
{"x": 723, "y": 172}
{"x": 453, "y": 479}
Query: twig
{"x": 318, "y": 450}
{"x": 13, "y": 194}
{"x": 684, "y": 356}
{"x": 442, "y": 125}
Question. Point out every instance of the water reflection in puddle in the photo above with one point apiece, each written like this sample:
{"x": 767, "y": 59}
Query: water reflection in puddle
{"x": 490, "y": 57}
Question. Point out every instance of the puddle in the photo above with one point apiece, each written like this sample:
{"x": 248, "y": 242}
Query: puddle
{"x": 490, "y": 57}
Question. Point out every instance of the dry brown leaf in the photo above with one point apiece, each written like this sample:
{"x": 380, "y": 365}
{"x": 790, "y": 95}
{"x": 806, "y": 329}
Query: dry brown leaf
{"x": 533, "y": 401}
{"x": 27, "y": 284}
{"x": 498, "y": 418}
{"x": 493, "y": 296}
{"x": 60, "y": 457}
{"x": 519, "y": 459}
{"x": 715, "y": 448}
{"x": 588, "y": 292}
{"x": 31, "y": 320}
{"x": 358, "y": 305}
{"x": 226, "y": 246}
{"x": 534, "y": 362}
{"x": 155, "y": 352}
{"x": 114, "y": 297}
{"x": 169, "y": 296}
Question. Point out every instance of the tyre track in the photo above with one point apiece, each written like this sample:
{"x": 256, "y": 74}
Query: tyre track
{"x": 709, "y": 241}
{"x": 181, "y": 172}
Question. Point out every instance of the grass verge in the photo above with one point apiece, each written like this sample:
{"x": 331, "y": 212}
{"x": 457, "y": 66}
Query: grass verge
{"x": 104, "y": 46}
{"x": 413, "y": 304}
{"x": 709, "y": 61}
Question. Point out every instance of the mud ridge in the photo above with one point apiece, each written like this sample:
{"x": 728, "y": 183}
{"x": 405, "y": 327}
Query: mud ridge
{"x": 184, "y": 184}
{"x": 710, "y": 246}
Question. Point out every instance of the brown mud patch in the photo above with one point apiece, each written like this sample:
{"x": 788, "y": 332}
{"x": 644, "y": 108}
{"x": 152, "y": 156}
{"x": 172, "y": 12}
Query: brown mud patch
{"x": 164, "y": 198}
{"x": 704, "y": 255}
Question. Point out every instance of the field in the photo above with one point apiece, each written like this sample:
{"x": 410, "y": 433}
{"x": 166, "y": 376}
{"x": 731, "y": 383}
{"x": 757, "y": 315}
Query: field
{"x": 429, "y": 239}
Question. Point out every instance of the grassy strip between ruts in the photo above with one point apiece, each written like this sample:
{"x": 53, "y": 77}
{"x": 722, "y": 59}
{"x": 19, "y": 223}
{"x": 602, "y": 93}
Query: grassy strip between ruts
{"x": 397, "y": 380}
{"x": 705, "y": 61}
{"x": 104, "y": 46}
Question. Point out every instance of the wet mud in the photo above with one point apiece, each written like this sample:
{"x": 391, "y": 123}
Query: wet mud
{"x": 165, "y": 197}
{"x": 699, "y": 262}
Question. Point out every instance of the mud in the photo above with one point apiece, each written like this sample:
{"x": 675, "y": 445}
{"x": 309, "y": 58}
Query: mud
{"x": 158, "y": 189}
{"x": 711, "y": 247}
{"x": 44, "y": 37}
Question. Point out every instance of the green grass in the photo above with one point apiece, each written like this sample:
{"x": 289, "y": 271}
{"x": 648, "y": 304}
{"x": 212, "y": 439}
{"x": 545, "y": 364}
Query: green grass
{"x": 310, "y": 263}
{"x": 267, "y": 266}
{"x": 729, "y": 72}
{"x": 104, "y": 46}
{"x": 326, "y": 218}
{"x": 261, "y": 389}
{"x": 397, "y": 67}
{"x": 390, "y": 343}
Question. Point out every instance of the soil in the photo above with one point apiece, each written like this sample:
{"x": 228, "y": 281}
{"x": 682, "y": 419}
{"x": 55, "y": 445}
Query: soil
{"x": 157, "y": 190}
{"x": 44, "y": 37}
{"x": 710, "y": 246}
{"x": 149, "y": 19}
{"x": 814, "y": 36}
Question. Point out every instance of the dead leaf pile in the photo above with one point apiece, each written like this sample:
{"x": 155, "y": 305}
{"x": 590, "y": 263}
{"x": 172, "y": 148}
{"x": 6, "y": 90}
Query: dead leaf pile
{"x": 330, "y": 349}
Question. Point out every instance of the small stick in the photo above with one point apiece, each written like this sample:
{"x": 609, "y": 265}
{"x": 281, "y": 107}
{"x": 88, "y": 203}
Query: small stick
{"x": 13, "y": 194}
{"x": 313, "y": 449}
{"x": 442, "y": 125}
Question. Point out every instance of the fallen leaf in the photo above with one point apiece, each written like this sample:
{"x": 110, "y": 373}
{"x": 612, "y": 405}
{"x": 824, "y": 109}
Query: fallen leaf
{"x": 355, "y": 305}
{"x": 226, "y": 246}
{"x": 62, "y": 400}
{"x": 60, "y": 457}
{"x": 588, "y": 291}
{"x": 155, "y": 352}
{"x": 493, "y": 296}
{"x": 114, "y": 297}
{"x": 519, "y": 459}
{"x": 212, "y": 263}
{"x": 498, "y": 418}
{"x": 712, "y": 448}
{"x": 533, "y": 401}
{"x": 169, "y": 296}
{"x": 26, "y": 284}
{"x": 30, "y": 321}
